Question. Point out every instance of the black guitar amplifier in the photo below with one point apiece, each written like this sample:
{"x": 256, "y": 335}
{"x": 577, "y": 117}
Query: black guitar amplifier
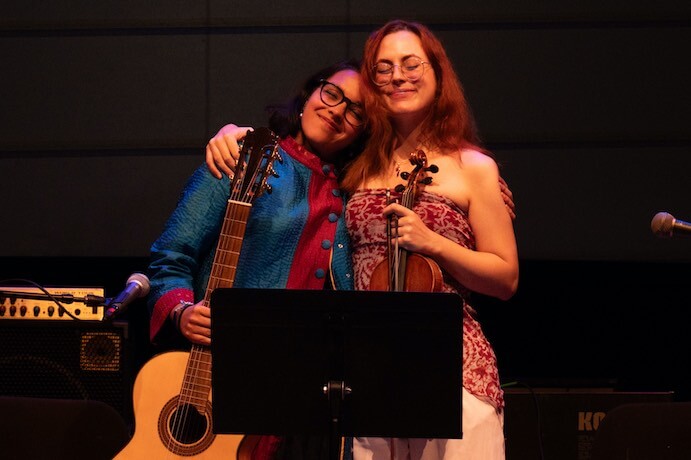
{"x": 88, "y": 360}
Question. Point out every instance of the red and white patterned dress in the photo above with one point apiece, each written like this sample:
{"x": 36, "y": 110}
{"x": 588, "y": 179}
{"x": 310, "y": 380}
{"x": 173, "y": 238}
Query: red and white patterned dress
{"x": 367, "y": 229}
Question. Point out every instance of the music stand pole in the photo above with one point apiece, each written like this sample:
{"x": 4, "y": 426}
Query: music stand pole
{"x": 336, "y": 393}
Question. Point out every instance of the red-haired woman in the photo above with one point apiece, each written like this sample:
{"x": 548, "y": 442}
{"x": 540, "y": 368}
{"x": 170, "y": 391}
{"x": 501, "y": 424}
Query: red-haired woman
{"x": 414, "y": 101}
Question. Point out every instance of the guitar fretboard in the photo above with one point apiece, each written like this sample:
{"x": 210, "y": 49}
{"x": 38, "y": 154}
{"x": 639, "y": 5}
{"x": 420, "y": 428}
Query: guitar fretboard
{"x": 228, "y": 248}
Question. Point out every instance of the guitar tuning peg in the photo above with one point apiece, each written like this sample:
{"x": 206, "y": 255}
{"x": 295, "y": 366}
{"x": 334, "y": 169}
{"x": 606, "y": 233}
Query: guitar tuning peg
{"x": 432, "y": 168}
{"x": 268, "y": 189}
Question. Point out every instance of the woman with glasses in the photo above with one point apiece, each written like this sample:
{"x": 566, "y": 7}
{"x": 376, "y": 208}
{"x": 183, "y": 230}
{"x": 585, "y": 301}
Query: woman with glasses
{"x": 295, "y": 237}
{"x": 415, "y": 102}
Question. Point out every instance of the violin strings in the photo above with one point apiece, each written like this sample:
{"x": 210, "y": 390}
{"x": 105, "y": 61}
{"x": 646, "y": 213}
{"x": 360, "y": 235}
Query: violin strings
{"x": 396, "y": 257}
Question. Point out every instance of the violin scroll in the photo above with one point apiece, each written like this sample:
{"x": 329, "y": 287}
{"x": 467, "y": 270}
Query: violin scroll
{"x": 419, "y": 161}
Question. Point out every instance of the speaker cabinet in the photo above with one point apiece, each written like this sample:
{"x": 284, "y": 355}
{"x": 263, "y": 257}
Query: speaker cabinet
{"x": 87, "y": 360}
{"x": 643, "y": 431}
{"x": 562, "y": 423}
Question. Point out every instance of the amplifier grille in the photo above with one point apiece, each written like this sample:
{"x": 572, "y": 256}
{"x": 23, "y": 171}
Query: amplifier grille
{"x": 67, "y": 360}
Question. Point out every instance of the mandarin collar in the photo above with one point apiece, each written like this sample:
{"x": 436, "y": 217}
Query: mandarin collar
{"x": 304, "y": 156}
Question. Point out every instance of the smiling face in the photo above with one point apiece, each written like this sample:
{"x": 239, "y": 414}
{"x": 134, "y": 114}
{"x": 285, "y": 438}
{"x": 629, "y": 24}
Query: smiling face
{"x": 325, "y": 130}
{"x": 406, "y": 100}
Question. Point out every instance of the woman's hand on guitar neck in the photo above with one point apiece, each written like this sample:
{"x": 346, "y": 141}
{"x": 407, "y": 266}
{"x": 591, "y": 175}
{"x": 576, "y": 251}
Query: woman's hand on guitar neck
{"x": 222, "y": 151}
{"x": 195, "y": 324}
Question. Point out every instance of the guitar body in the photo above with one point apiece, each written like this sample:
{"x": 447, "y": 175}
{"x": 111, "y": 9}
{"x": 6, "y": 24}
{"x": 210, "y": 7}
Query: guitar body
{"x": 156, "y": 390}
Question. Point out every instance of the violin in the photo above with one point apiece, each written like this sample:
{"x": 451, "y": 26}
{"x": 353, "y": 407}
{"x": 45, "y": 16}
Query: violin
{"x": 403, "y": 270}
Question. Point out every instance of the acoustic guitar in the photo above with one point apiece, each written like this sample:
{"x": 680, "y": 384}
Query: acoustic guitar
{"x": 172, "y": 391}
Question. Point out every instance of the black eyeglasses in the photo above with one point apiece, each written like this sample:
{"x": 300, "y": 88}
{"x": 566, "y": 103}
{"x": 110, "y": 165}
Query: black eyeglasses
{"x": 332, "y": 96}
{"x": 412, "y": 69}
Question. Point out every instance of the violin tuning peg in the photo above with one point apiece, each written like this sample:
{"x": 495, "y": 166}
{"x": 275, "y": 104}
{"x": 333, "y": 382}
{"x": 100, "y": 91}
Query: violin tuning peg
{"x": 399, "y": 188}
{"x": 426, "y": 181}
{"x": 432, "y": 168}
{"x": 405, "y": 175}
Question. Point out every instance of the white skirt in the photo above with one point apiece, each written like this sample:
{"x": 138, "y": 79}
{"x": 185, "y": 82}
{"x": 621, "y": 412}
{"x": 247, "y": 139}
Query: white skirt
{"x": 483, "y": 438}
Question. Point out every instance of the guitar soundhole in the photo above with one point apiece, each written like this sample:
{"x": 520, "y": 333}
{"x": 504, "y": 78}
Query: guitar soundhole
{"x": 183, "y": 429}
{"x": 187, "y": 425}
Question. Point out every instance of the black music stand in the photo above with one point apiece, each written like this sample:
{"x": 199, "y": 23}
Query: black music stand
{"x": 336, "y": 363}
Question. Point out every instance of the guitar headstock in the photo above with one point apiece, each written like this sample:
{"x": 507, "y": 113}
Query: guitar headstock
{"x": 258, "y": 152}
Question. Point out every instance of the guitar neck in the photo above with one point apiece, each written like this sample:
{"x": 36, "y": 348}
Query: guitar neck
{"x": 198, "y": 373}
{"x": 228, "y": 248}
{"x": 254, "y": 165}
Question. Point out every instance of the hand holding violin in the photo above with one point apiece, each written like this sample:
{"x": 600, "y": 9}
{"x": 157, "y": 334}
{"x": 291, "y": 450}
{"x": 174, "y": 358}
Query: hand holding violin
{"x": 412, "y": 234}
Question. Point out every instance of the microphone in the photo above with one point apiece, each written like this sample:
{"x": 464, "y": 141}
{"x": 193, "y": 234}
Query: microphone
{"x": 665, "y": 225}
{"x": 137, "y": 286}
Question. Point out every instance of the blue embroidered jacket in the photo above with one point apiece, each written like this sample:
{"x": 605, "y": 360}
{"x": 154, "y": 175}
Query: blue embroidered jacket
{"x": 295, "y": 236}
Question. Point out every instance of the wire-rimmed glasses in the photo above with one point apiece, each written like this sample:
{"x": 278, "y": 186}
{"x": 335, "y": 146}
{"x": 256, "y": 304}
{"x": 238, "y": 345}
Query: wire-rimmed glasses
{"x": 412, "y": 68}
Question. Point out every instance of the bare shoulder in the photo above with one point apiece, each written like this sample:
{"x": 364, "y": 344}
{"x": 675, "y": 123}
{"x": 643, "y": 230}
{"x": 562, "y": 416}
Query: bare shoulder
{"x": 475, "y": 162}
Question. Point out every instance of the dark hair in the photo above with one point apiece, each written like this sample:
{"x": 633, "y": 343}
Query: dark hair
{"x": 284, "y": 120}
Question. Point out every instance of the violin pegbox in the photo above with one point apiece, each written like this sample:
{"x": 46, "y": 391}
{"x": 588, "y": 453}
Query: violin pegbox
{"x": 419, "y": 161}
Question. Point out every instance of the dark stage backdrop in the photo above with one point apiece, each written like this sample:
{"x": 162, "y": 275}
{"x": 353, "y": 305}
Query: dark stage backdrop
{"x": 105, "y": 109}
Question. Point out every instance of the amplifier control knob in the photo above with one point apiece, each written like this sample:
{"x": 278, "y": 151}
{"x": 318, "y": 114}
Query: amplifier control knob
{"x": 37, "y": 311}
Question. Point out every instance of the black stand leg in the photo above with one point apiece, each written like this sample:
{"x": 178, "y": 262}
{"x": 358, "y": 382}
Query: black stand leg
{"x": 336, "y": 393}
